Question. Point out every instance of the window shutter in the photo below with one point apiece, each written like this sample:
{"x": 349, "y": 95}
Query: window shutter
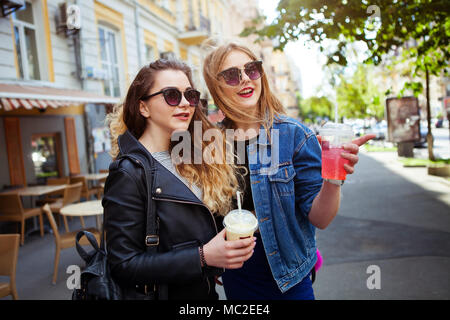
{"x": 72, "y": 147}
{"x": 14, "y": 151}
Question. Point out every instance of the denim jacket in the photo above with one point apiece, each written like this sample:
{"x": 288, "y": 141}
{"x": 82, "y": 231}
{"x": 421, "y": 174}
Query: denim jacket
{"x": 285, "y": 178}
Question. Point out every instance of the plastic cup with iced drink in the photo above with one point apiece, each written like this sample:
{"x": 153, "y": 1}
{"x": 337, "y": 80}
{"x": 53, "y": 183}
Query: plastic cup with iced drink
{"x": 240, "y": 224}
{"x": 334, "y": 136}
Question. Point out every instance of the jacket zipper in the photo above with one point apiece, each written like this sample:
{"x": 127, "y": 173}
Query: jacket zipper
{"x": 190, "y": 202}
{"x": 180, "y": 201}
{"x": 209, "y": 285}
{"x": 196, "y": 203}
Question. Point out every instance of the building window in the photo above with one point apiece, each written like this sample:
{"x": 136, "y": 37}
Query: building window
{"x": 168, "y": 55}
{"x": 46, "y": 156}
{"x": 149, "y": 54}
{"x": 25, "y": 41}
{"x": 164, "y": 4}
{"x": 110, "y": 61}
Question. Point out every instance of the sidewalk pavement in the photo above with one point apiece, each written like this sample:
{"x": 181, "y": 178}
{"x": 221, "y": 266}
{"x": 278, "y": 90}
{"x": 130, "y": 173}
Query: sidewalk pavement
{"x": 394, "y": 218}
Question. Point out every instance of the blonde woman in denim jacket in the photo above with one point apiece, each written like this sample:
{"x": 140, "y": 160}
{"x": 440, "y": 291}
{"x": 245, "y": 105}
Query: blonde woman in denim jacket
{"x": 286, "y": 193}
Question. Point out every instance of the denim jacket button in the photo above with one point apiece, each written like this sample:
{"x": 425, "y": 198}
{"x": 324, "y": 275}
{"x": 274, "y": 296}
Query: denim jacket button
{"x": 158, "y": 190}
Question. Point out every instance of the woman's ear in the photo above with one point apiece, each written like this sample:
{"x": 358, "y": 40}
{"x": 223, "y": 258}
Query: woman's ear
{"x": 144, "y": 109}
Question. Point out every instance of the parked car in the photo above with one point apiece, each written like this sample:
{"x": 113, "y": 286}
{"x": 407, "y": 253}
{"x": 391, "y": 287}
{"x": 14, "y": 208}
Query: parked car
{"x": 358, "y": 129}
{"x": 422, "y": 142}
{"x": 379, "y": 129}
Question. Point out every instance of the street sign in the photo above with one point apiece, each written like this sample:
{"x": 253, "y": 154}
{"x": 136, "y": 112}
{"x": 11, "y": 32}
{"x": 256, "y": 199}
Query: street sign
{"x": 403, "y": 119}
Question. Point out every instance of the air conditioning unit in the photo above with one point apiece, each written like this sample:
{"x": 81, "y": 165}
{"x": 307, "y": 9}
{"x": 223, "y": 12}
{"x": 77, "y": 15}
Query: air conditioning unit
{"x": 168, "y": 55}
{"x": 96, "y": 73}
{"x": 68, "y": 19}
{"x": 9, "y": 6}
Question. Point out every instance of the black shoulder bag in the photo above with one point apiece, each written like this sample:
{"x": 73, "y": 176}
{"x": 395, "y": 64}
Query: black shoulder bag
{"x": 96, "y": 282}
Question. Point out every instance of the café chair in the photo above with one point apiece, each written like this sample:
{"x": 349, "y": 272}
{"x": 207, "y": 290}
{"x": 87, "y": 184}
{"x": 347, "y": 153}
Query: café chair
{"x": 9, "y": 251}
{"x": 11, "y": 209}
{"x": 65, "y": 240}
{"x": 72, "y": 194}
{"x": 54, "y": 196}
{"x": 87, "y": 192}
{"x": 9, "y": 187}
{"x": 102, "y": 181}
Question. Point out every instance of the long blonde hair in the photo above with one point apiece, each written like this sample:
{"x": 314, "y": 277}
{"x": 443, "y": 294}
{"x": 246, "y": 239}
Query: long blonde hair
{"x": 217, "y": 180}
{"x": 269, "y": 105}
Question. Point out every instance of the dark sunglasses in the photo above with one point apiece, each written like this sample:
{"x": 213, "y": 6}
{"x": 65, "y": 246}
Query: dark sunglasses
{"x": 233, "y": 76}
{"x": 173, "y": 96}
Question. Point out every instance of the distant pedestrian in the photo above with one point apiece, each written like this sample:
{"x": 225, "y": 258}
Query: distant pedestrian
{"x": 187, "y": 197}
{"x": 288, "y": 203}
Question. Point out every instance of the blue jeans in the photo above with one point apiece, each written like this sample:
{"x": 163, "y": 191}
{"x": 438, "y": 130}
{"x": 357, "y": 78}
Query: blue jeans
{"x": 254, "y": 281}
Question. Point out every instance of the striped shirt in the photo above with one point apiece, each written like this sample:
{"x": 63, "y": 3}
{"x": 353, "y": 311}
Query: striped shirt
{"x": 163, "y": 157}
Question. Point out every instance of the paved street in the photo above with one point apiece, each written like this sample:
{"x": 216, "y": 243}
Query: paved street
{"x": 393, "y": 217}
{"x": 441, "y": 145}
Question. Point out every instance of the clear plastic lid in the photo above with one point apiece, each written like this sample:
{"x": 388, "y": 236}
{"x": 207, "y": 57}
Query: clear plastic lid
{"x": 336, "y": 129}
{"x": 244, "y": 218}
{"x": 336, "y": 133}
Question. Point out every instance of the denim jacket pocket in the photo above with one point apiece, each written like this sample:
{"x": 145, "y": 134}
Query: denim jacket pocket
{"x": 283, "y": 180}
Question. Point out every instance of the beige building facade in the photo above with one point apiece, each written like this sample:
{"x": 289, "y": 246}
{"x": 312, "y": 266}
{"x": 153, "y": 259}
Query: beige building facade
{"x": 64, "y": 64}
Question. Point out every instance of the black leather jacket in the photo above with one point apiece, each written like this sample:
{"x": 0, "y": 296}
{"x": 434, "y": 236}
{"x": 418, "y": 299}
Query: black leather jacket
{"x": 183, "y": 222}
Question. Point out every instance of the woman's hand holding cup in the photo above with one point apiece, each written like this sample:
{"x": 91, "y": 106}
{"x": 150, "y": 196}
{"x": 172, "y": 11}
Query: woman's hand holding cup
{"x": 228, "y": 254}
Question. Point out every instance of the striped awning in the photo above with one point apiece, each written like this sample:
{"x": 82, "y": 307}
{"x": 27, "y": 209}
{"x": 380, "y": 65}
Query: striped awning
{"x": 14, "y": 96}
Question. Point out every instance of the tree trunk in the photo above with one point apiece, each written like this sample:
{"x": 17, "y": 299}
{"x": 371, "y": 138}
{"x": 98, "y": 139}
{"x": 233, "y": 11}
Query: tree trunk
{"x": 405, "y": 149}
{"x": 429, "y": 134}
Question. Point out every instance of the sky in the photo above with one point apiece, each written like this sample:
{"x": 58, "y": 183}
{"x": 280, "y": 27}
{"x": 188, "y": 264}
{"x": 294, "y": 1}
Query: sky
{"x": 306, "y": 56}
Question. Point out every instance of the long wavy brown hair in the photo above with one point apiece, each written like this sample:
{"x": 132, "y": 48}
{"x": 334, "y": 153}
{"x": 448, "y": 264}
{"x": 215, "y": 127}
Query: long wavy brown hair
{"x": 217, "y": 179}
{"x": 269, "y": 105}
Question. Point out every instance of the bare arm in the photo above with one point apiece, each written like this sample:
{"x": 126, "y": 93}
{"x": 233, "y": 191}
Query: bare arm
{"x": 326, "y": 205}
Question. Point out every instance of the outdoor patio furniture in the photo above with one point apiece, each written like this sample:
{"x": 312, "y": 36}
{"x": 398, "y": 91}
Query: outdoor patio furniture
{"x": 102, "y": 181}
{"x": 72, "y": 194}
{"x": 11, "y": 209}
{"x": 87, "y": 192}
{"x": 9, "y": 251}
{"x": 64, "y": 241}
{"x": 54, "y": 196}
{"x": 85, "y": 208}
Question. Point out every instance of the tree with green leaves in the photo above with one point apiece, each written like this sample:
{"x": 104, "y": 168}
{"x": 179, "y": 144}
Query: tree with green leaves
{"x": 383, "y": 25}
{"x": 315, "y": 107}
{"x": 357, "y": 96}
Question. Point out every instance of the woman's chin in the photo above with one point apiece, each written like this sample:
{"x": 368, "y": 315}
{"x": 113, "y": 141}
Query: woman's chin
{"x": 180, "y": 127}
{"x": 249, "y": 107}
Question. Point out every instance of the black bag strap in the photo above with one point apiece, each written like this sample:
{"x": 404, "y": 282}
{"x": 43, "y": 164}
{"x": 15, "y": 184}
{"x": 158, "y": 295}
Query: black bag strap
{"x": 152, "y": 236}
{"x": 93, "y": 241}
{"x": 152, "y": 232}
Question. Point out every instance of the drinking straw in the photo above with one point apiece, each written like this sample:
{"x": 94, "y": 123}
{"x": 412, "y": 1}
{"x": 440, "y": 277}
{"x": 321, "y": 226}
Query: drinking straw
{"x": 238, "y": 195}
{"x": 336, "y": 113}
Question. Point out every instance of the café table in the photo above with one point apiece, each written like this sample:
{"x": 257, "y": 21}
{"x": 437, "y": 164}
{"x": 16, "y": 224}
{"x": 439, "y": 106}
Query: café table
{"x": 94, "y": 176}
{"x": 86, "y": 208}
{"x": 35, "y": 191}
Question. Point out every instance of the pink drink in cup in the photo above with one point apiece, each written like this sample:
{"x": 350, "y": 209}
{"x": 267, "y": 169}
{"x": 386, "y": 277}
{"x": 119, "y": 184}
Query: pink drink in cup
{"x": 334, "y": 135}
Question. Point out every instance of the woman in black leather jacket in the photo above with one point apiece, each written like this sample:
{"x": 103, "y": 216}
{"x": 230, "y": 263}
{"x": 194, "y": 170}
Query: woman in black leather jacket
{"x": 180, "y": 252}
